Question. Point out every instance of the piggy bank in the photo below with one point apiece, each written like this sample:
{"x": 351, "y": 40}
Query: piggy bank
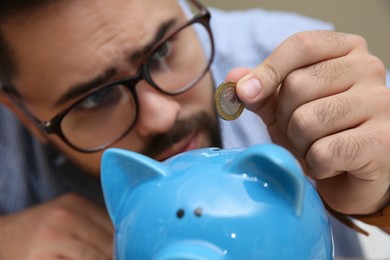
{"x": 252, "y": 203}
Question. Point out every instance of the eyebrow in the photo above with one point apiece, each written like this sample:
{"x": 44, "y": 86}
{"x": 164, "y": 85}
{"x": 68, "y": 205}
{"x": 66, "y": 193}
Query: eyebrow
{"x": 161, "y": 32}
{"x": 79, "y": 89}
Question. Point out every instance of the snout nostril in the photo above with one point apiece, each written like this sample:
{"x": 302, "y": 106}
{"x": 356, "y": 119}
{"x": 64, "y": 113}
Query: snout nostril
{"x": 180, "y": 213}
{"x": 198, "y": 212}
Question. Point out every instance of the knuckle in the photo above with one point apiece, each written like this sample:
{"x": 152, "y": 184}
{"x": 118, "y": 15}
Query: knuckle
{"x": 307, "y": 42}
{"x": 47, "y": 232}
{"x": 304, "y": 42}
{"x": 75, "y": 199}
{"x": 71, "y": 196}
{"x": 349, "y": 148}
{"x": 375, "y": 66}
{"x": 331, "y": 37}
{"x": 60, "y": 215}
{"x": 317, "y": 156}
{"x": 300, "y": 121}
{"x": 359, "y": 41}
{"x": 86, "y": 252}
{"x": 326, "y": 72}
{"x": 293, "y": 83}
{"x": 331, "y": 110}
{"x": 38, "y": 255}
{"x": 272, "y": 71}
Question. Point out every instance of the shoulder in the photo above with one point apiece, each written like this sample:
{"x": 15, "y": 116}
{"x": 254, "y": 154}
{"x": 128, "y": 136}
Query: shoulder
{"x": 245, "y": 38}
{"x": 263, "y": 25}
{"x": 259, "y": 29}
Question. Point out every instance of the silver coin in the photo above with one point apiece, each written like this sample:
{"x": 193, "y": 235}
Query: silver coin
{"x": 226, "y": 101}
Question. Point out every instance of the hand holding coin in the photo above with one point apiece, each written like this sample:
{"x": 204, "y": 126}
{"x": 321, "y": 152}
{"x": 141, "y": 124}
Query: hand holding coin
{"x": 226, "y": 101}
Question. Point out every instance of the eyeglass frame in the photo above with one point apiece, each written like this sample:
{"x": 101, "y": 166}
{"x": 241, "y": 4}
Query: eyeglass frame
{"x": 53, "y": 126}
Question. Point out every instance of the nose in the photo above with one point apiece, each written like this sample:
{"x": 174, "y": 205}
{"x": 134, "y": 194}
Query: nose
{"x": 157, "y": 111}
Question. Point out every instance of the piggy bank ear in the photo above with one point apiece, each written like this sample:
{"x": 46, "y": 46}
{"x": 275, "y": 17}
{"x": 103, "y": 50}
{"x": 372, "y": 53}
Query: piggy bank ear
{"x": 276, "y": 166}
{"x": 121, "y": 172}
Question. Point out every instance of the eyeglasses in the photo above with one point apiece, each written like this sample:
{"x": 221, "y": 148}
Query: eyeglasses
{"x": 107, "y": 113}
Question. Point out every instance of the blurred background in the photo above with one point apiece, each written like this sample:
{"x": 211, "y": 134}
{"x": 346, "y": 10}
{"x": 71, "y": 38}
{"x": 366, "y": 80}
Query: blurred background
{"x": 368, "y": 18}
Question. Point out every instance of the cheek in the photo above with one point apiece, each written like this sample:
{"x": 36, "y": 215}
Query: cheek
{"x": 200, "y": 96}
{"x": 88, "y": 162}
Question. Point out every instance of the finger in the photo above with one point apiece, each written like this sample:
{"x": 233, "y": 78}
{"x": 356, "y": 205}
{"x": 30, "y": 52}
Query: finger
{"x": 323, "y": 117}
{"x": 298, "y": 51}
{"x": 101, "y": 218}
{"x": 236, "y": 74}
{"x": 95, "y": 236}
{"x": 76, "y": 249}
{"x": 54, "y": 242}
{"x": 343, "y": 189}
{"x": 353, "y": 150}
{"x": 325, "y": 79}
{"x": 335, "y": 113}
{"x": 89, "y": 210}
{"x": 62, "y": 223}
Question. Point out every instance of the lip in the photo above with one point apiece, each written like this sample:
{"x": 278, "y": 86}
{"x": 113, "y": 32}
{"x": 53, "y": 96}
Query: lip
{"x": 189, "y": 143}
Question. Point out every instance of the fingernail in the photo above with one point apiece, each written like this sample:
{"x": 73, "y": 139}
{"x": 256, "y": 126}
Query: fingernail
{"x": 252, "y": 87}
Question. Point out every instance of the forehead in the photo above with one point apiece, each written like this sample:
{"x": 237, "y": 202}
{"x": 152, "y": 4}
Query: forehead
{"x": 74, "y": 40}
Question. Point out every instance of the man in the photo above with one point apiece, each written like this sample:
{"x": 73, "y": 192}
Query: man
{"x": 86, "y": 75}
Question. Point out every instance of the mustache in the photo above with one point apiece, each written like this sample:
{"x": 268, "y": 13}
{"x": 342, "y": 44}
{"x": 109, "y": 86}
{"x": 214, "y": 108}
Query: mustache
{"x": 183, "y": 128}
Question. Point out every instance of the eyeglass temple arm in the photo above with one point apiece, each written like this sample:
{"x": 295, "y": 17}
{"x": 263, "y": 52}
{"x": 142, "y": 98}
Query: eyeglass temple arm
{"x": 13, "y": 95}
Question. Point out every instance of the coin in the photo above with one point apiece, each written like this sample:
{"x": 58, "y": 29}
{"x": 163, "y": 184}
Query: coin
{"x": 226, "y": 101}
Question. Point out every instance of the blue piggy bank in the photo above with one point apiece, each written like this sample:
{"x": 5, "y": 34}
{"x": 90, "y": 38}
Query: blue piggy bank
{"x": 250, "y": 203}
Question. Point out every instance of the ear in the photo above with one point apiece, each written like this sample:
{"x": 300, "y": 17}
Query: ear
{"x": 122, "y": 171}
{"x": 26, "y": 121}
{"x": 274, "y": 165}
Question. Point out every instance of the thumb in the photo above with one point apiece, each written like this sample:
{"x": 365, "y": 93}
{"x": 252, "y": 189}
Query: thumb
{"x": 259, "y": 87}
{"x": 236, "y": 74}
{"x": 256, "y": 89}
{"x": 260, "y": 83}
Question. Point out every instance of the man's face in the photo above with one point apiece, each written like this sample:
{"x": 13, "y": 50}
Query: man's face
{"x": 73, "y": 42}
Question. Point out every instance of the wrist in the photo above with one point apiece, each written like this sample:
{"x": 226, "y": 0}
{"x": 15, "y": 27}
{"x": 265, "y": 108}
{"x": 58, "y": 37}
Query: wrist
{"x": 380, "y": 218}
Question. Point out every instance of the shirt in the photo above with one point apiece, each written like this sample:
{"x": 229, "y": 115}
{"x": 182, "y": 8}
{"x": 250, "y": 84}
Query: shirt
{"x": 32, "y": 173}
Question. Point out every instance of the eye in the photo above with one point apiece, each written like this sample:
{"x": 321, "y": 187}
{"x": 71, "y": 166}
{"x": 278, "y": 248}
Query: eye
{"x": 106, "y": 96}
{"x": 180, "y": 213}
{"x": 161, "y": 57}
{"x": 163, "y": 51}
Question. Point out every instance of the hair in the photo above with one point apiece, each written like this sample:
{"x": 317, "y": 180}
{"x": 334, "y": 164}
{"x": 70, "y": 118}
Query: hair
{"x": 9, "y": 9}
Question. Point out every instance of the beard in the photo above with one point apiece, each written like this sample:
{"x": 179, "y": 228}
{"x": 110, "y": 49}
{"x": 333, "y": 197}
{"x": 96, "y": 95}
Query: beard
{"x": 183, "y": 128}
